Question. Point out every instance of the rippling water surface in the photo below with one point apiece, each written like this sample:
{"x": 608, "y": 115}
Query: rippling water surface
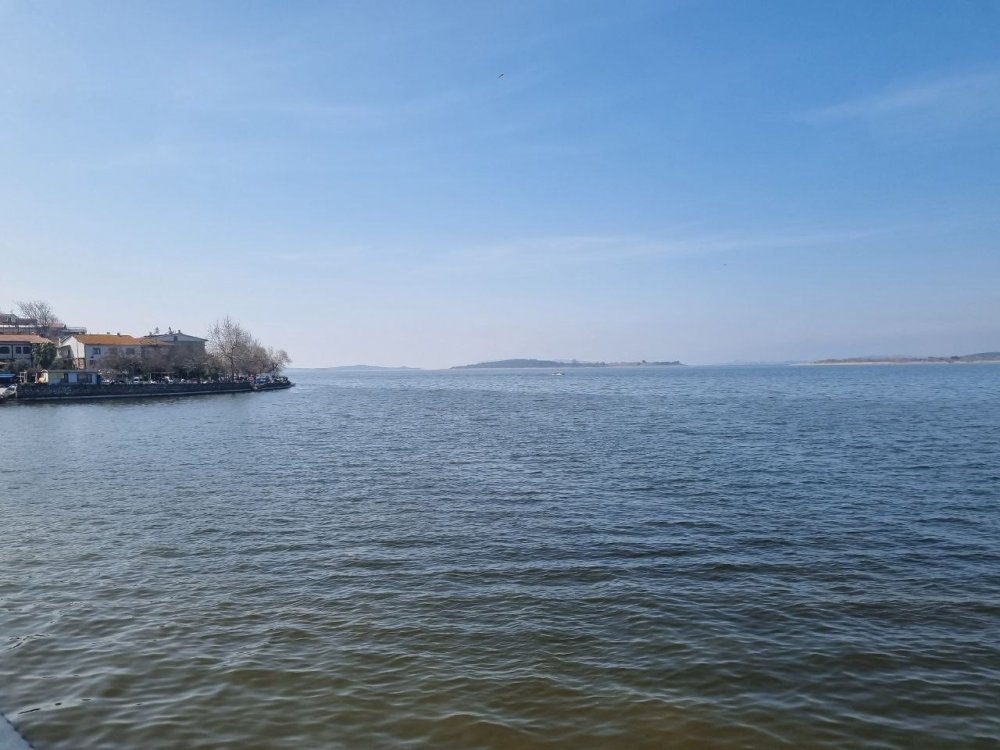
{"x": 673, "y": 558}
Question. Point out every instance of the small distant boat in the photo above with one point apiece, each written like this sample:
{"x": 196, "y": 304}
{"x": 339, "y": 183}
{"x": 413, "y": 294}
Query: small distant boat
{"x": 558, "y": 372}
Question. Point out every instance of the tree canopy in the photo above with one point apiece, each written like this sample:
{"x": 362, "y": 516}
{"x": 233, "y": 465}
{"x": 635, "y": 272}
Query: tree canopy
{"x": 41, "y": 315}
{"x": 240, "y": 353}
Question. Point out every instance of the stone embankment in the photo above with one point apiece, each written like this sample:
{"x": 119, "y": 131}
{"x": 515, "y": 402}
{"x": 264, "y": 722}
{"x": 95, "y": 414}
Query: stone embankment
{"x": 72, "y": 392}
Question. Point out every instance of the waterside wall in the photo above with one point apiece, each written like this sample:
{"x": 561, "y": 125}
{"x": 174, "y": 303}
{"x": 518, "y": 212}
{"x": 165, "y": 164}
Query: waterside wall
{"x": 67, "y": 392}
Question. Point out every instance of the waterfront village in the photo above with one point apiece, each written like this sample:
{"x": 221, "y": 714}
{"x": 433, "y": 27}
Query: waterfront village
{"x": 39, "y": 348}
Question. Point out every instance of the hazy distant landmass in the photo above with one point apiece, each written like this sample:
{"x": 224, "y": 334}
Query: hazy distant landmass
{"x": 552, "y": 363}
{"x": 906, "y": 360}
{"x": 760, "y": 363}
{"x": 366, "y": 367}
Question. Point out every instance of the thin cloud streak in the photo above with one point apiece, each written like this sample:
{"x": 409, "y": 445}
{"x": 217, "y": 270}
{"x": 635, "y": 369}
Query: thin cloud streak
{"x": 559, "y": 251}
{"x": 571, "y": 250}
{"x": 952, "y": 100}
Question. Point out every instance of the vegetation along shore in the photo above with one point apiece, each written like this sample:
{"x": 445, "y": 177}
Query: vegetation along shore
{"x": 980, "y": 358}
{"x": 43, "y": 358}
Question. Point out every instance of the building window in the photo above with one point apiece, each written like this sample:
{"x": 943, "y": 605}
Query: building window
{"x": 96, "y": 350}
{"x": 4, "y": 350}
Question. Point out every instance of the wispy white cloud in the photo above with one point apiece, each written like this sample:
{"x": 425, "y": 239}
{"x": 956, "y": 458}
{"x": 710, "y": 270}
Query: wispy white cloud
{"x": 558, "y": 253}
{"x": 553, "y": 253}
{"x": 609, "y": 248}
{"x": 952, "y": 100}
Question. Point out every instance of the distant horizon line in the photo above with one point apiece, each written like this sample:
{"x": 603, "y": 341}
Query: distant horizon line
{"x": 860, "y": 359}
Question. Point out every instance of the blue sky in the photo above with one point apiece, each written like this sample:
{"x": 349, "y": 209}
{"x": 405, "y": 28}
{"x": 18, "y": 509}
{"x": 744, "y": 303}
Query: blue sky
{"x": 704, "y": 181}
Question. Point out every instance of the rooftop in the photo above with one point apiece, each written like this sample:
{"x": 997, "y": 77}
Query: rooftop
{"x": 111, "y": 339}
{"x": 22, "y": 338}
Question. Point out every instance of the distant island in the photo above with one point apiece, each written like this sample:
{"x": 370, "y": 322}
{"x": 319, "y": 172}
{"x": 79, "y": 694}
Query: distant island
{"x": 356, "y": 368}
{"x": 906, "y": 360}
{"x": 556, "y": 364}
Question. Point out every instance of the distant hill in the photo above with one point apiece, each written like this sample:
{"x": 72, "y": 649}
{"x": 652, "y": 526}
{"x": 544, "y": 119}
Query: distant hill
{"x": 907, "y": 360}
{"x": 554, "y": 364}
{"x": 512, "y": 364}
{"x": 356, "y": 368}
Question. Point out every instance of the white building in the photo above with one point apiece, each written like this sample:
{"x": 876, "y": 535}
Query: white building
{"x": 87, "y": 350}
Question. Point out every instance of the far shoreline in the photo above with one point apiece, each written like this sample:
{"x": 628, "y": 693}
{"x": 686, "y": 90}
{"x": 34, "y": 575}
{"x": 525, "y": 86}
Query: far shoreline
{"x": 851, "y": 363}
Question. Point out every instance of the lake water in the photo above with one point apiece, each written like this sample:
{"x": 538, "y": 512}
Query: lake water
{"x": 800, "y": 557}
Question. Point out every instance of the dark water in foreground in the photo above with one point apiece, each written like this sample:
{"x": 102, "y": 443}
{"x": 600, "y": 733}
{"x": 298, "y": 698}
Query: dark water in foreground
{"x": 683, "y": 558}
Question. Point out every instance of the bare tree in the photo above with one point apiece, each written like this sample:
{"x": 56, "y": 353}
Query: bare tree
{"x": 261, "y": 360}
{"x": 240, "y": 353}
{"x": 278, "y": 360}
{"x": 255, "y": 359}
{"x": 41, "y": 315}
{"x": 157, "y": 362}
{"x": 120, "y": 364}
{"x": 188, "y": 364}
{"x": 231, "y": 344}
